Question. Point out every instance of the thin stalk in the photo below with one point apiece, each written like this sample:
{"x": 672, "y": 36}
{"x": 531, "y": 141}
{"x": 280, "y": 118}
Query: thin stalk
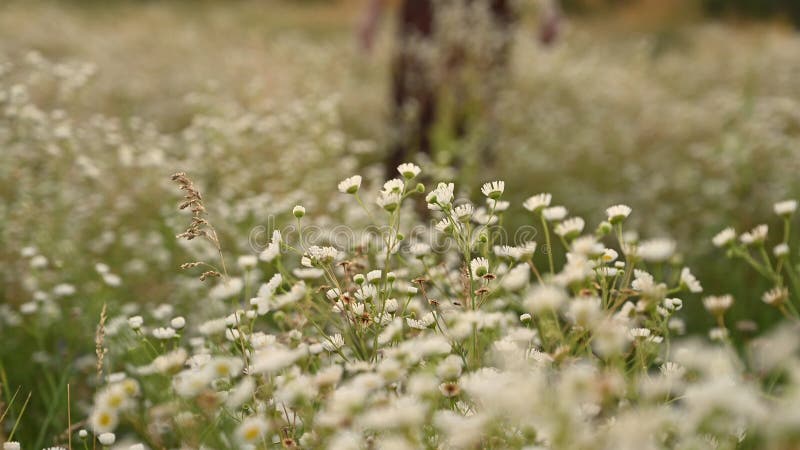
{"x": 548, "y": 244}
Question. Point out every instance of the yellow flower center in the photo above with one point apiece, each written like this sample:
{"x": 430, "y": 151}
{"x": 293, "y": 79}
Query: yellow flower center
{"x": 251, "y": 434}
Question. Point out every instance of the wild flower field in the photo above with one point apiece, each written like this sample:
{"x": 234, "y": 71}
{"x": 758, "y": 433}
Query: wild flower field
{"x": 200, "y": 248}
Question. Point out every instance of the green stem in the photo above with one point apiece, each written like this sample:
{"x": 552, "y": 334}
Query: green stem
{"x": 547, "y": 243}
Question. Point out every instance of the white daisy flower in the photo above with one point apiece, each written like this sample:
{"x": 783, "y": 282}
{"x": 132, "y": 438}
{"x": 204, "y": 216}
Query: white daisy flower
{"x": 497, "y": 205}
{"x": 107, "y": 438}
{"x": 350, "y": 185}
{"x": 223, "y": 367}
{"x": 463, "y": 212}
{"x": 609, "y": 255}
{"x": 689, "y": 281}
{"x": 163, "y": 333}
{"x": 252, "y": 430}
{"x": 441, "y": 197}
{"x": 308, "y": 273}
{"x": 63, "y": 290}
{"x": 316, "y": 255}
{"x": 673, "y": 304}
{"x": 618, "y": 213}
{"x": 419, "y": 249}
{"x": 656, "y": 250}
{"x": 718, "y": 304}
{"x": 537, "y": 202}
{"x": 177, "y": 323}
{"x": 446, "y": 226}
{"x": 718, "y": 334}
{"x": 493, "y": 189}
{"x": 570, "y": 227}
{"x": 333, "y": 343}
{"x": 273, "y": 248}
{"x": 555, "y": 213}
{"x": 527, "y": 249}
{"x": 755, "y": 236}
{"x": 587, "y": 246}
{"x": 426, "y": 321}
{"x": 391, "y": 305}
{"x": 544, "y": 297}
{"x": 639, "y": 333}
{"x": 775, "y": 296}
{"x": 607, "y": 271}
{"x": 724, "y": 237}
{"x": 507, "y": 251}
{"x": 103, "y": 420}
{"x": 516, "y": 278}
{"x": 135, "y": 322}
{"x": 584, "y": 311}
{"x": 672, "y": 370}
{"x": 408, "y": 170}
{"x": 785, "y": 208}
{"x": 479, "y": 267}
{"x": 366, "y": 292}
{"x": 394, "y": 185}
{"x": 481, "y": 216}
{"x": 781, "y": 250}
{"x": 247, "y": 261}
{"x": 389, "y": 200}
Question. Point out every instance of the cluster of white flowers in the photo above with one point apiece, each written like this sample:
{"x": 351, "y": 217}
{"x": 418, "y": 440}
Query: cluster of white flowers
{"x": 565, "y": 343}
{"x": 481, "y": 344}
{"x": 778, "y": 270}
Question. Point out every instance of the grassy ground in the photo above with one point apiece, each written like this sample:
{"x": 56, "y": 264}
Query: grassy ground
{"x": 271, "y": 103}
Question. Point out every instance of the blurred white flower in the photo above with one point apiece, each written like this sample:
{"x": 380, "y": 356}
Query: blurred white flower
{"x": 537, "y": 202}
{"x": 493, "y": 189}
{"x": 408, "y": 170}
{"x": 350, "y": 185}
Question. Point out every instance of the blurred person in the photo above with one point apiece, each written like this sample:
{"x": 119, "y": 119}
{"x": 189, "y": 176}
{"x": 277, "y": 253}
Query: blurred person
{"x": 451, "y": 59}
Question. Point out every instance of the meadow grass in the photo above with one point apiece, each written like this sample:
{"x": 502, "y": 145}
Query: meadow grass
{"x": 270, "y": 105}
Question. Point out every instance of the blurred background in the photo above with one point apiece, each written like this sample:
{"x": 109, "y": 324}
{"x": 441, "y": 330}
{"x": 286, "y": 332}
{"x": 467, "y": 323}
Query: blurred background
{"x": 687, "y": 110}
